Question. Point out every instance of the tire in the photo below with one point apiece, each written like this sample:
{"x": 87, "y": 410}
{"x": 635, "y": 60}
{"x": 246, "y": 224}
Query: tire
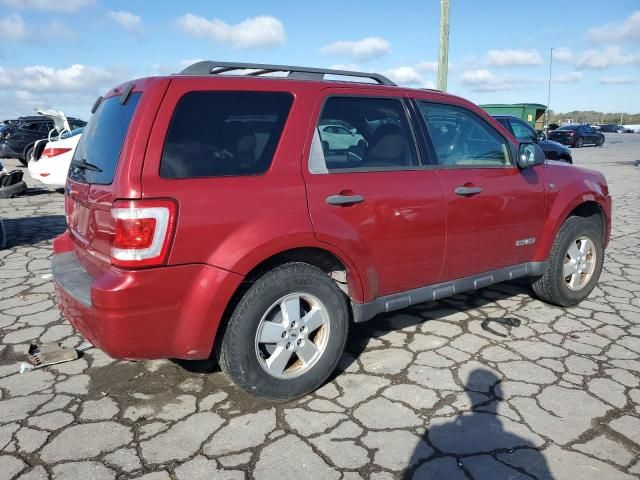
{"x": 552, "y": 286}
{"x": 579, "y": 142}
{"x": 244, "y": 358}
{"x": 27, "y": 156}
{"x": 600, "y": 141}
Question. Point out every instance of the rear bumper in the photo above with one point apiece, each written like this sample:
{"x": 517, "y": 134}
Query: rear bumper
{"x": 165, "y": 312}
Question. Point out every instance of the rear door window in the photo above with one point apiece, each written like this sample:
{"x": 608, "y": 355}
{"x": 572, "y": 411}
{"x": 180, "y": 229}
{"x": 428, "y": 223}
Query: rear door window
{"x": 220, "y": 134}
{"x": 102, "y": 140}
{"x": 363, "y": 134}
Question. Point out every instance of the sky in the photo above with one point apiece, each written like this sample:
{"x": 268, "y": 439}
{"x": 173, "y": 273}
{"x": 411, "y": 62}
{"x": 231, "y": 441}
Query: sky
{"x": 62, "y": 54}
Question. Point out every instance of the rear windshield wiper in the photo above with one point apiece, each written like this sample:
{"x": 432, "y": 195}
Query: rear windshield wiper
{"x": 84, "y": 165}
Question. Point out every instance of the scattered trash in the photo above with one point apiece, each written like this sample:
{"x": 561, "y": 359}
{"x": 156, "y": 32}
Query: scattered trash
{"x": 40, "y": 356}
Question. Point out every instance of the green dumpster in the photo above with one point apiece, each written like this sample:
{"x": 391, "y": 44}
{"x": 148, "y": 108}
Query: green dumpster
{"x": 532, "y": 113}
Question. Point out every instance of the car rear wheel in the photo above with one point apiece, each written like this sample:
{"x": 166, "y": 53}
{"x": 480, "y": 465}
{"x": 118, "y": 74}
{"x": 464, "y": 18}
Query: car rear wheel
{"x": 28, "y": 155}
{"x": 575, "y": 263}
{"x": 599, "y": 141}
{"x": 579, "y": 142}
{"x": 287, "y": 333}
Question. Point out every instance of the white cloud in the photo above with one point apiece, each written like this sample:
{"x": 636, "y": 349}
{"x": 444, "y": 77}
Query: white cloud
{"x": 482, "y": 80}
{"x": 510, "y": 58}
{"x": 562, "y": 55}
{"x": 262, "y": 31}
{"x": 404, "y": 75}
{"x": 127, "y": 20}
{"x": 428, "y": 67}
{"x": 610, "y": 57}
{"x": 618, "y": 80}
{"x": 49, "y": 5}
{"x": 13, "y": 28}
{"x": 568, "y": 77}
{"x": 627, "y": 30}
{"x": 71, "y": 89}
{"x": 362, "y": 50}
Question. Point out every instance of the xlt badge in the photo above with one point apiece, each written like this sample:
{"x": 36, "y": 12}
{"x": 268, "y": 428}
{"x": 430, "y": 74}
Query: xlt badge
{"x": 525, "y": 241}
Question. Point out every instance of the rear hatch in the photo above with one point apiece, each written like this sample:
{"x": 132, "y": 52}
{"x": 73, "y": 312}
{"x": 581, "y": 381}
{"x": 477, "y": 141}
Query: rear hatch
{"x": 106, "y": 167}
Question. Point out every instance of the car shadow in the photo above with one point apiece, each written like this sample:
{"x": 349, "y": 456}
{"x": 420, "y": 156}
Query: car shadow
{"x": 32, "y": 230}
{"x": 476, "y": 443}
{"x": 379, "y": 326}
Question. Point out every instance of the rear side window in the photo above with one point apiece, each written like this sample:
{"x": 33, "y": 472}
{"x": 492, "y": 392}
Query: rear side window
{"x": 102, "y": 140}
{"x": 221, "y": 134}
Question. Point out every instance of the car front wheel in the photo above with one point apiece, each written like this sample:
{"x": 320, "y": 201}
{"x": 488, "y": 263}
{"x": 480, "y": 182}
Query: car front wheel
{"x": 287, "y": 333}
{"x": 575, "y": 263}
{"x": 579, "y": 142}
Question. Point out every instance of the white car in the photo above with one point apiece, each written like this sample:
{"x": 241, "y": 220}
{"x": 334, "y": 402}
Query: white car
{"x": 338, "y": 137}
{"x": 50, "y": 164}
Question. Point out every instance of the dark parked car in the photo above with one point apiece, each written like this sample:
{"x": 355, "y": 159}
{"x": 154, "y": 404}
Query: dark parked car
{"x": 577, "y": 135}
{"x": 524, "y": 133}
{"x": 611, "y": 128}
{"x": 18, "y": 138}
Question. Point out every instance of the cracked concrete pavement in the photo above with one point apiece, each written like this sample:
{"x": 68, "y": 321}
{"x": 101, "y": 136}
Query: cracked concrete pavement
{"x": 425, "y": 393}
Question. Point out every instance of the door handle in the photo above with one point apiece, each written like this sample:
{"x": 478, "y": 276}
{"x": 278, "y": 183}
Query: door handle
{"x": 467, "y": 191}
{"x": 344, "y": 200}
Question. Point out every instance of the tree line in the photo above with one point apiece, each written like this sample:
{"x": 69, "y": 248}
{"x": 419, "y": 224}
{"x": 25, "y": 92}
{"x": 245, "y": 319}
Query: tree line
{"x": 593, "y": 117}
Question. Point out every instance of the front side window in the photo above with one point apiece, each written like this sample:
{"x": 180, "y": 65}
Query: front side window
{"x": 522, "y": 131}
{"x": 462, "y": 139}
{"x": 356, "y": 133}
{"x": 221, "y": 134}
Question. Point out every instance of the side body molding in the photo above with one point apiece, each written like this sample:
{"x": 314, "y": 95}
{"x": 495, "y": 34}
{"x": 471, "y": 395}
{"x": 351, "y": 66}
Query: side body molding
{"x": 388, "y": 303}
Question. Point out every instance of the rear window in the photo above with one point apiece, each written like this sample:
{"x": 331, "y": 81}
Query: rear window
{"x": 102, "y": 140}
{"x": 219, "y": 134}
{"x": 569, "y": 127}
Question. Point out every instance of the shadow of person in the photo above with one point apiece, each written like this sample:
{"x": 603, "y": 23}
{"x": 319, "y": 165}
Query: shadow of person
{"x": 483, "y": 441}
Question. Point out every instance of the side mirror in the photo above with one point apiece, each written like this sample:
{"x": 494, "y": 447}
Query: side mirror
{"x": 530, "y": 155}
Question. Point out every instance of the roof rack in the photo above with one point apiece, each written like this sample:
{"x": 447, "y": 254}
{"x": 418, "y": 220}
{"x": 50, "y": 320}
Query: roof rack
{"x": 209, "y": 67}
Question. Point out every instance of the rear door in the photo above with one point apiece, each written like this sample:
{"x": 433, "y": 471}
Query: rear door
{"x": 494, "y": 210}
{"x": 375, "y": 198}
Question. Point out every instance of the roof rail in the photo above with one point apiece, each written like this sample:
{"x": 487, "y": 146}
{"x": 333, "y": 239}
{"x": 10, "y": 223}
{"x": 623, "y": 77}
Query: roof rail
{"x": 208, "y": 67}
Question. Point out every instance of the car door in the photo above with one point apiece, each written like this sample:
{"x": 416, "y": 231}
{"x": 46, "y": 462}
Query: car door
{"x": 378, "y": 202}
{"x": 591, "y": 136}
{"x": 494, "y": 210}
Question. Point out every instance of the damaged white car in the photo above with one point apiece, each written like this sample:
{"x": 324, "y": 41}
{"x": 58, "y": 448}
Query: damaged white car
{"x": 52, "y": 156}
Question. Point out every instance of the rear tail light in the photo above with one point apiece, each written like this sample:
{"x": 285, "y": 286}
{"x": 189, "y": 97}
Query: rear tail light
{"x": 54, "y": 152}
{"x": 143, "y": 230}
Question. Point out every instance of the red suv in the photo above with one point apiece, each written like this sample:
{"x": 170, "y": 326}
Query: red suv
{"x": 234, "y": 210}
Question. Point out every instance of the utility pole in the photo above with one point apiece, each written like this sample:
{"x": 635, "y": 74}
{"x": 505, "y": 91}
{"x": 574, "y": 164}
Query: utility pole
{"x": 549, "y": 86}
{"x": 443, "y": 56}
{"x": 621, "y": 118}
